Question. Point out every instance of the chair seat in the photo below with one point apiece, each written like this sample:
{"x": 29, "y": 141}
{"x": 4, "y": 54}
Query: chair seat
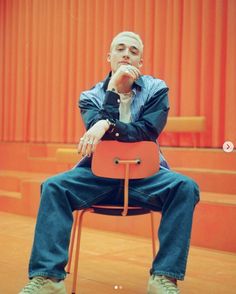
{"x": 117, "y": 210}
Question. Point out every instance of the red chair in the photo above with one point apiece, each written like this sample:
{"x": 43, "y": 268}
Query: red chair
{"x": 120, "y": 160}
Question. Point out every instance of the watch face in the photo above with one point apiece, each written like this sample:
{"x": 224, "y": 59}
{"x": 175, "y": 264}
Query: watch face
{"x": 108, "y": 121}
{"x": 112, "y": 121}
{"x": 112, "y": 124}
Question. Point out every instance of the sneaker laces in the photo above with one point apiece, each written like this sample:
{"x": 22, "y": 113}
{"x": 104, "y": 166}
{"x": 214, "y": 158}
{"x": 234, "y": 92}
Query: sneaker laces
{"x": 34, "y": 284}
{"x": 168, "y": 285}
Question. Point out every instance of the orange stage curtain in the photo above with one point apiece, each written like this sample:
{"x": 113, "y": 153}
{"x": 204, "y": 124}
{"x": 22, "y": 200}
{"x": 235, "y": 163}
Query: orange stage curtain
{"x": 51, "y": 50}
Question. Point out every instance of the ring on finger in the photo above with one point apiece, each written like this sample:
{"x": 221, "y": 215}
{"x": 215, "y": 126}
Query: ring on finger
{"x": 90, "y": 142}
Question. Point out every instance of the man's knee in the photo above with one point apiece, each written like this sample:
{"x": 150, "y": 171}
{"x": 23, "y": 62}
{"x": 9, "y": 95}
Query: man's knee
{"x": 51, "y": 183}
{"x": 190, "y": 189}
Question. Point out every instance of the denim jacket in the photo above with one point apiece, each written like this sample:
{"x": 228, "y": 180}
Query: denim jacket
{"x": 149, "y": 110}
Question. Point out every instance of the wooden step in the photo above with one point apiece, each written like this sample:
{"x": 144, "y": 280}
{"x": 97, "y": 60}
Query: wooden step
{"x": 218, "y": 199}
{"x": 47, "y": 149}
{"x": 211, "y": 180}
{"x": 10, "y": 194}
{"x": 15, "y": 156}
{"x": 69, "y": 155}
{"x": 213, "y": 226}
{"x": 46, "y": 165}
{"x": 22, "y": 175}
{"x": 9, "y": 182}
{"x": 209, "y": 158}
{"x": 185, "y": 124}
{"x": 25, "y": 202}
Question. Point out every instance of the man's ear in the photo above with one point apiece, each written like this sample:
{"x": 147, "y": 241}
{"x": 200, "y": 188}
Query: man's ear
{"x": 109, "y": 57}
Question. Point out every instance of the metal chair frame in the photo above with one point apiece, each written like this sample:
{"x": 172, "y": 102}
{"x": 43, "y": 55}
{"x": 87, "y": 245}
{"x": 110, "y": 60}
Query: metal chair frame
{"x": 124, "y": 210}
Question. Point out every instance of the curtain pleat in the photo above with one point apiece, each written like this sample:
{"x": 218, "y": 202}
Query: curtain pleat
{"x": 51, "y": 50}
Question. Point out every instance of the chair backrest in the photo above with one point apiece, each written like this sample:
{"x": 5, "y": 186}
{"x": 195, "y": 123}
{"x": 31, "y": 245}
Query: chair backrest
{"x": 109, "y": 153}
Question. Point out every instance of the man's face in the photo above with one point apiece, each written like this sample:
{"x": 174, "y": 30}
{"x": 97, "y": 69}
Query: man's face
{"x": 125, "y": 50}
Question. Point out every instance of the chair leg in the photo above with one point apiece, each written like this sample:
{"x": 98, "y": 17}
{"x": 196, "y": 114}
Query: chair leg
{"x": 76, "y": 217}
{"x": 77, "y": 251}
{"x": 153, "y": 234}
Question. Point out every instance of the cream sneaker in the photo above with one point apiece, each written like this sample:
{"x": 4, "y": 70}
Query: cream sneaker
{"x": 161, "y": 285}
{"x": 41, "y": 285}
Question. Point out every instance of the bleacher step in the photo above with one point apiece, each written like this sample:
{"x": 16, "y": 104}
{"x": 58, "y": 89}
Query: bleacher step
{"x": 12, "y": 183}
{"x": 9, "y": 182}
{"x": 217, "y": 198}
{"x": 46, "y": 150}
{"x": 15, "y": 174}
{"x": 46, "y": 165}
{"x": 208, "y": 158}
{"x": 10, "y": 194}
{"x": 211, "y": 180}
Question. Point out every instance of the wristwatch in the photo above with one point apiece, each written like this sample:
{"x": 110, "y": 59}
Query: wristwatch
{"x": 112, "y": 124}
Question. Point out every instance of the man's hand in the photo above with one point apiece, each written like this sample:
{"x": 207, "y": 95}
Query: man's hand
{"x": 91, "y": 138}
{"x": 122, "y": 80}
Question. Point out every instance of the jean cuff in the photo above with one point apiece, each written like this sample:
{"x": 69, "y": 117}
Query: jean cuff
{"x": 47, "y": 274}
{"x": 168, "y": 274}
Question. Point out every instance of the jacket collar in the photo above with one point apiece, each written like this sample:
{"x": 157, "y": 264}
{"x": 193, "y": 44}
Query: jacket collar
{"x": 138, "y": 84}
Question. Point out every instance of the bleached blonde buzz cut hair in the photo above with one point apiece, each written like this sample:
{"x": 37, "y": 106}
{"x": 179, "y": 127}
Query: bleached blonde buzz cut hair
{"x": 128, "y": 34}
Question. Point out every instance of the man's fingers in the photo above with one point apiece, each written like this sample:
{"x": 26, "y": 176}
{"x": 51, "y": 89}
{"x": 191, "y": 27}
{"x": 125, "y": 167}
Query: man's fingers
{"x": 95, "y": 142}
{"x": 89, "y": 147}
{"x": 132, "y": 71}
{"x": 80, "y": 145}
{"x": 88, "y": 142}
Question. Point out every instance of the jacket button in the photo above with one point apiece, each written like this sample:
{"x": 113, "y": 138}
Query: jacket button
{"x": 117, "y": 134}
{"x": 118, "y": 100}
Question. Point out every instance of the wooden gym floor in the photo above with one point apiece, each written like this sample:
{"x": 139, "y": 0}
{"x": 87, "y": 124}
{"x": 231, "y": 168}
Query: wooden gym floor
{"x": 111, "y": 263}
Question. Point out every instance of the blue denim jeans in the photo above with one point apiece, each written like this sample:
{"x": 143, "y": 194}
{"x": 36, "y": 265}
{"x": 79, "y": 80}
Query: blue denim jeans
{"x": 171, "y": 193}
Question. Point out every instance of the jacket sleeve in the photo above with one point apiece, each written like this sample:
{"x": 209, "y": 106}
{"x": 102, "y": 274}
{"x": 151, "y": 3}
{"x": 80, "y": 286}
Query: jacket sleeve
{"x": 147, "y": 127}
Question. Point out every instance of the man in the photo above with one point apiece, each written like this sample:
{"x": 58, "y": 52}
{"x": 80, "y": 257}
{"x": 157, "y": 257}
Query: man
{"x": 129, "y": 107}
